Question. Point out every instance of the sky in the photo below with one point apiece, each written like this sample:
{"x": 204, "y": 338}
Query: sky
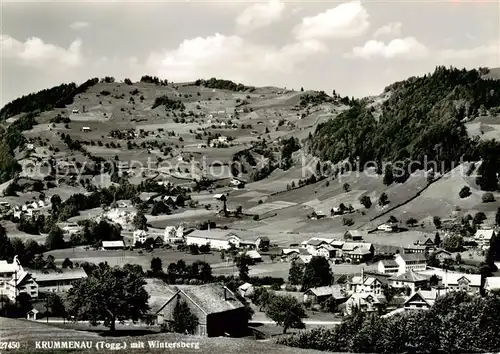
{"x": 353, "y": 47}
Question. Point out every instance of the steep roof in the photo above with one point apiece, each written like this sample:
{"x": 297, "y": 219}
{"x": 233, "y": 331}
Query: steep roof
{"x": 389, "y": 263}
{"x": 351, "y": 246}
{"x": 334, "y": 290}
{"x": 412, "y": 256}
{"x": 484, "y": 234}
{"x": 211, "y": 298}
{"x": 427, "y": 296}
{"x": 159, "y": 294}
{"x": 60, "y": 274}
{"x": 212, "y": 234}
{"x": 357, "y": 233}
{"x": 410, "y": 277}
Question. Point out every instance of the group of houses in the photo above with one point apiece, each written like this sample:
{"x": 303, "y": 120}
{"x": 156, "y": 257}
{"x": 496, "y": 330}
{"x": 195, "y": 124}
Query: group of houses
{"x": 30, "y": 209}
{"x": 15, "y": 280}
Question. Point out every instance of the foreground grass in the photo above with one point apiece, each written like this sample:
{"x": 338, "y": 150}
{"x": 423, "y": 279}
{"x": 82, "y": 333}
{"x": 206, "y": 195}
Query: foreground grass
{"x": 28, "y": 333}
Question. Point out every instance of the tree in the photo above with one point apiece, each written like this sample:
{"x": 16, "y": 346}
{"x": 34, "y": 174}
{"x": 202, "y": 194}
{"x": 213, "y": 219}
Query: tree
{"x": 366, "y": 201}
{"x": 261, "y": 297}
{"x": 458, "y": 258}
{"x": 108, "y": 295}
{"x": 464, "y": 192}
{"x": 194, "y": 249}
{"x": 242, "y": 262}
{"x": 497, "y": 217}
{"x": 488, "y": 197}
{"x": 479, "y": 218}
{"x": 287, "y": 312}
{"x": 437, "y": 240}
{"x": 347, "y": 187}
{"x": 295, "y": 273}
{"x": 453, "y": 243}
{"x": 317, "y": 273}
{"x": 388, "y": 176}
{"x": 55, "y": 305}
{"x": 67, "y": 263}
{"x": 205, "y": 248}
{"x": 156, "y": 265}
{"x": 383, "y": 199}
{"x": 6, "y": 248}
{"x": 437, "y": 222}
{"x": 183, "y": 319}
{"x": 411, "y": 222}
{"x": 55, "y": 239}
{"x": 55, "y": 202}
{"x": 140, "y": 222}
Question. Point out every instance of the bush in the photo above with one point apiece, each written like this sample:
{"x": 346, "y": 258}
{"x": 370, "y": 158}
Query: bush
{"x": 488, "y": 197}
{"x": 464, "y": 192}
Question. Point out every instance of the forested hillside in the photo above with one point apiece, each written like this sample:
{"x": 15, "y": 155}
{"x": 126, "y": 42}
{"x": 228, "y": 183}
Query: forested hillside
{"x": 423, "y": 116}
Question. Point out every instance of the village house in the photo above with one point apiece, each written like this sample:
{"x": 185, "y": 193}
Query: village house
{"x": 483, "y": 237}
{"x": 327, "y": 251}
{"x": 218, "y": 311}
{"x": 415, "y": 249}
{"x": 366, "y": 284}
{"x": 424, "y": 240}
{"x": 173, "y": 234}
{"x": 421, "y": 300}
{"x": 388, "y": 266}
{"x": 357, "y": 252}
{"x": 56, "y": 281}
{"x": 411, "y": 261}
{"x": 112, "y": 245}
{"x": 291, "y": 254}
{"x": 14, "y": 280}
{"x": 320, "y": 294}
{"x": 410, "y": 279}
{"x": 454, "y": 281}
{"x": 363, "y": 302}
{"x": 491, "y": 284}
{"x": 263, "y": 243}
{"x": 140, "y": 236}
{"x": 254, "y": 255}
{"x": 443, "y": 255}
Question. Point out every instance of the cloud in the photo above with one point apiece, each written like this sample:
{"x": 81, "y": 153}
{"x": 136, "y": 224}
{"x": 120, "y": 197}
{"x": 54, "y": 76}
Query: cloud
{"x": 34, "y": 52}
{"x": 403, "y": 48}
{"x": 260, "y": 15}
{"x": 230, "y": 57}
{"x": 343, "y": 21}
{"x": 391, "y": 29}
{"x": 79, "y": 25}
{"x": 487, "y": 50}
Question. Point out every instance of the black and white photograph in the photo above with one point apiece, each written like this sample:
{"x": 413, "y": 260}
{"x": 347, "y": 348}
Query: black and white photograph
{"x": 237, "y": 176}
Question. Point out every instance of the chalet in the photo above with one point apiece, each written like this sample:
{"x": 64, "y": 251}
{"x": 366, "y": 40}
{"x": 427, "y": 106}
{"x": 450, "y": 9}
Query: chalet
{"x": 357, "y": 252}
{"x": 421, "y": 300}
{"x": 14, "y": 280}
{"x": 262, "y": 243}
{"x": 410, "y": 279}
{"x": 366, "y": 284}
{"x": 443, "y": 255}
{"x": 325, "y": 250}
{"x": 217, "y": 309}
{"x": 453, "y": 281}
{"x": 364, "y": 302}
{"x": 492, "y": 284}
{"x": 411, "y": 261}
{"x": 112, "y": 245}
{"x": 317, "y": 215}
{"x": 320, "y": 294}
{"x": 313, "y": 244}
{"x": 248, "y": 245}
{"x": 291, "y": 254}
{"x": 140, "y": 236}
{"x": 60, "y": 280}
{"x": 424, "y": 240}
{"x": 388, "y": 266}
{"x": 355, "y": 235}
{"x": 415, "y": 249}
{"x": 483, "y": 237}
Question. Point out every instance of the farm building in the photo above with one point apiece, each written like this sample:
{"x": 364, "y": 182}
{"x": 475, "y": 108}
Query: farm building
{"x": 415, "y": 249}
{"x": 57, "y": 281}
{"x": 357, "y": 252}
{"x": 216, "y": 239}
{"x": 112, "y": 245}
{"x": 262, "y": 243}
{"x": 424, "y": 240}
{"x": 86, "y": 129}
{"x": 246, "y": 289}
{"x": 322, "y": 293}
{"x": 254, "y": 255}
{"x": 363, "y": 302}
{"x": 355, "y": 235}
{"x": 422, "y": 299}
{"x": 483, "y": 237}
{"x": 453, "y": 281}
{"x": 217, "y": 309}
{"x": 443, "y": 255}
{"x": 388, "y": 227}
{"x": 366, "y": 284}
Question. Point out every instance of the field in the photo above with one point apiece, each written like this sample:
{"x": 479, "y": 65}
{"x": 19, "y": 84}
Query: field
{"x": 29, "y": 332}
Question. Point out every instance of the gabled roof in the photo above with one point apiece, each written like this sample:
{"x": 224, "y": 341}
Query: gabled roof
{"x": 351, "y": 246}
{"x": 427, "y": 296}
{"x": 484, "y": 234}
{"x": 389, "y": 263}
{"x": 60, "y": 274}
{"x": 252, "y": 254}
{"x": 327, "y": 247}
{"x": 263, "y": 238}
{"x": 409, "y": 277}
{"x": 357, "y": 233}
{"x": 211, "y": 298}
{"x": 112, "y": 244}
{"x": 333, "y": 290}
{"x": 412, "y": 256}
{"x": 357, "y": 280}
{"x": 315, "y": 242}
{"x": 212, "y": 234}
{"x": 245, "y": 286}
